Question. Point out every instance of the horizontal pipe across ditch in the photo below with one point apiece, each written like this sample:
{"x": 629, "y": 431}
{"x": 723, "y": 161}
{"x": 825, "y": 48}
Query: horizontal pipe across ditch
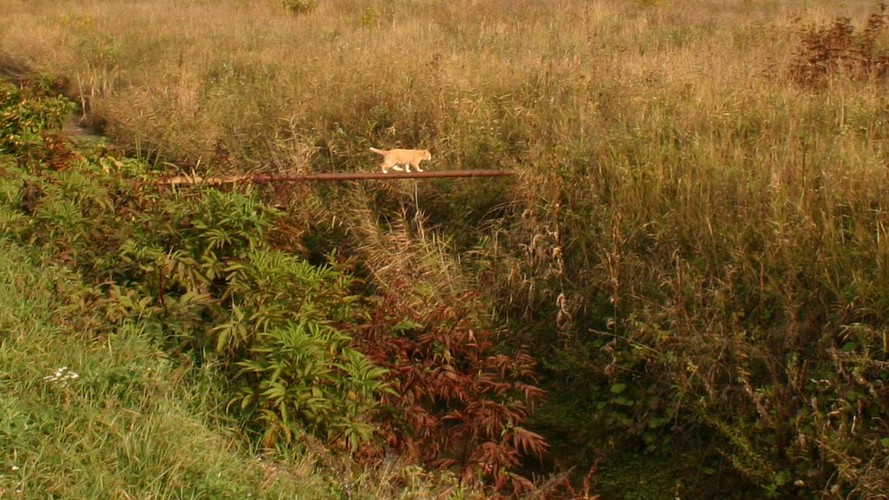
{"x": 332, "y": 176}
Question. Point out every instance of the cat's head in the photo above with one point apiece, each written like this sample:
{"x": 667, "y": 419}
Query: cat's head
{"x": 427, "y": 155}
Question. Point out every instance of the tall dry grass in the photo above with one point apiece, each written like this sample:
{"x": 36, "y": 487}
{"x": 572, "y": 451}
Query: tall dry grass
{"x": 687, "y": 220}
{"x": 479, "y": 82}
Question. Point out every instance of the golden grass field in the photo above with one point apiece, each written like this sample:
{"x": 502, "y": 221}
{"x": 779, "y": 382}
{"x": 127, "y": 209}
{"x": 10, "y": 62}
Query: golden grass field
{"x": 456, "y": 76}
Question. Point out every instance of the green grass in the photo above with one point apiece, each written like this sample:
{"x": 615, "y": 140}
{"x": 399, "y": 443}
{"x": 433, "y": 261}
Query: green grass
{"x": 133, "y": 424}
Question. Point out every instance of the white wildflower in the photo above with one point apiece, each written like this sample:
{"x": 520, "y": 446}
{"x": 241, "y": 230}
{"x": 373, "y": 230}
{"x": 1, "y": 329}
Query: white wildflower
{"x": 62, "y": 376}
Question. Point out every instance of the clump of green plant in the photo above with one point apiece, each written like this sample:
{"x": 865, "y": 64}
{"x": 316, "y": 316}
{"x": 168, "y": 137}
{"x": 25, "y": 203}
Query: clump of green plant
{"x": 307, "y": 377}
{"x": 28, "y": 115}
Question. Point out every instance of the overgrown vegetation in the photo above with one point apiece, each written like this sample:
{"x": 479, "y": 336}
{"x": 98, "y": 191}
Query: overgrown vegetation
{"x": 695, "y": 250}
{"x": 198, "y": 274}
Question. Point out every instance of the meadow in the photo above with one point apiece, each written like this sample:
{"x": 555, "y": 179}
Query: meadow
{"x": 694, "y": 247}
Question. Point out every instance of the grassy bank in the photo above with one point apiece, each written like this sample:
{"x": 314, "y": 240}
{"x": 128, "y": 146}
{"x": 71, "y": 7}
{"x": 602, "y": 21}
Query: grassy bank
{"x": 89, "y": 415}
{"x": 696, "y": 245}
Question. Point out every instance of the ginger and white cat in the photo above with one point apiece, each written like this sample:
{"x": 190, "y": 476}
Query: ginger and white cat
{"x": 407, "y": 157}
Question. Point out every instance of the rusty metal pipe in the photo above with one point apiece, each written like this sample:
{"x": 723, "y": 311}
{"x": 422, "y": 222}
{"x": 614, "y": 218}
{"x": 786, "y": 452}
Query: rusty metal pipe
{"x": 332, "y": 176}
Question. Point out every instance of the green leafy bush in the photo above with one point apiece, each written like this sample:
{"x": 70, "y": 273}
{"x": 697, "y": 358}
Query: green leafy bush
{"x": 305, "y": 376}
{"x": 197, "y": 271}
{"x": 27, "y": 113}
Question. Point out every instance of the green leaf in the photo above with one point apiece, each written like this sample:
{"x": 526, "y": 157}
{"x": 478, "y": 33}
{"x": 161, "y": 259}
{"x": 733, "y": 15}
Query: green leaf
{"x": 885, "y": 442}
{"x": 407, "y": 324}
{"x": 623, "y": 401}
{"x": 618, "y": 388}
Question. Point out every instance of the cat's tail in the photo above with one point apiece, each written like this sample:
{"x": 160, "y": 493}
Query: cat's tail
{"x": 378, "y": 151}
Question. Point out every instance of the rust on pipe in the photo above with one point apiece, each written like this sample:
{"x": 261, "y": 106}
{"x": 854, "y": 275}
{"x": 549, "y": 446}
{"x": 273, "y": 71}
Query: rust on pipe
{"x": 333, "y": 176}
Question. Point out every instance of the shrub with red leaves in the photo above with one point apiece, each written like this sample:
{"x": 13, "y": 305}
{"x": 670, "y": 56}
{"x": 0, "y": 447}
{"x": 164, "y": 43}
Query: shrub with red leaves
{"x": 837, "y": 49}
{"x": 459, "y": 404}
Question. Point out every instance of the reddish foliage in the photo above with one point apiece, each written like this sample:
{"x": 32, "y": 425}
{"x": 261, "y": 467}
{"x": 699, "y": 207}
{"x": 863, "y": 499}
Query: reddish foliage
{"x": 458, "y": 404}
{"x": 838, "y": 50}
{"x": 55, "y": 152}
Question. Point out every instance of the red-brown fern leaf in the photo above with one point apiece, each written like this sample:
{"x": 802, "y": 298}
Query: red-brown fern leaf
{"x": 458, "y": 404}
